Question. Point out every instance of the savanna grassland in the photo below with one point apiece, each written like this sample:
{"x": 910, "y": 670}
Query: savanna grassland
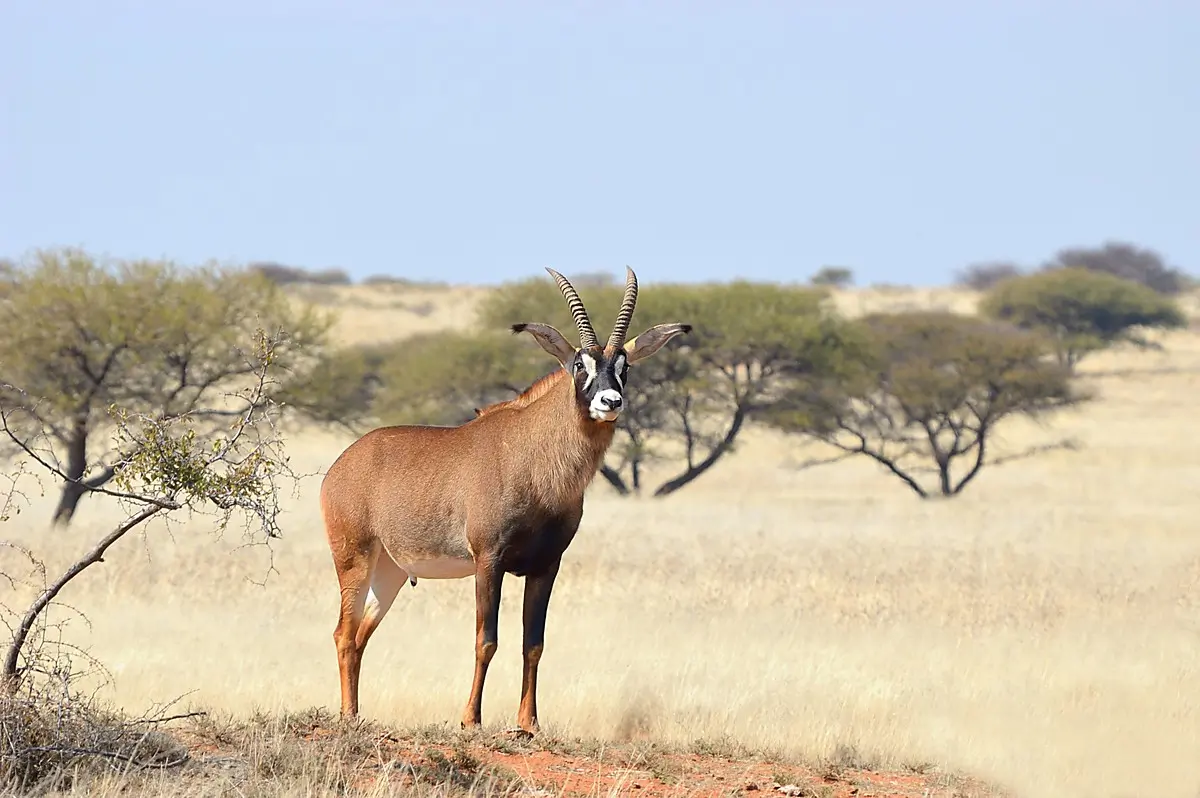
{"x": 1041, "y": 632}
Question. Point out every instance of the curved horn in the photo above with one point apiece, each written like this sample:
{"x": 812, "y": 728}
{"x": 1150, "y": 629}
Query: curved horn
{"x": 587, "y": 336}
{"x": 621, "y": 325}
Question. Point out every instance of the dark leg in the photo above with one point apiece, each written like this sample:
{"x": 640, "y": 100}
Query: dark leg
{"x": 536, "y": 605}
{"x": 488, "y": 581}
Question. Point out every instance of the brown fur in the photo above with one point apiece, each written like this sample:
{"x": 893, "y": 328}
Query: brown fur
{"x": 500, "y": 494}
{"x": 540, "y": 387}
{"x": 405, "y": 494}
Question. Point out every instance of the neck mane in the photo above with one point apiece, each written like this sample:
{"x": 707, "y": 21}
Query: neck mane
{"x": 563, "y": 458}
{"x": 539, "y": 388}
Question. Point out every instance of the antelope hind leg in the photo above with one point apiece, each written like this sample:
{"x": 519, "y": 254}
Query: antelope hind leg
{"x": 386, "y": 581}
{"x": 354, "y": 578}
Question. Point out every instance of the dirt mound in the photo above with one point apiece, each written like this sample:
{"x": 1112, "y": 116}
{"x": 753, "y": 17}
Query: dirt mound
{"x": 370, "y": 760}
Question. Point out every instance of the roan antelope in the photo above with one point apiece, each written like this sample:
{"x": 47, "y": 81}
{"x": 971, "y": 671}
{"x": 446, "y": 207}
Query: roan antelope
{"x": 502, "y": 493}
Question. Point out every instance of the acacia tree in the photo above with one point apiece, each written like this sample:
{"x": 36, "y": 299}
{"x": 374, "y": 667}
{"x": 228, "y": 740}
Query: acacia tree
{"x": 747, "y": 338}
{"x": 925, "y": 388}
{"x": 79, "y": 337}
{"x": 1081, "y": 310}
{"x": 50, "y": 728}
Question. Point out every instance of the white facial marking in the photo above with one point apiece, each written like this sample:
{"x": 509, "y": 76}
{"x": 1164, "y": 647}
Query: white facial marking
{"x": 618, "y": 367}
{"x": 589, "y": 365}
{"x": 601, "y": 410}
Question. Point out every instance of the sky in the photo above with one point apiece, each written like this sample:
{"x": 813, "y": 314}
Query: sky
{"x": 480, "y": 142}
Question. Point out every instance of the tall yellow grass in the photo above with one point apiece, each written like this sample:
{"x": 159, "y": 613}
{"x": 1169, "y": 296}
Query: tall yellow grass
{"x": 1042, "y": 630}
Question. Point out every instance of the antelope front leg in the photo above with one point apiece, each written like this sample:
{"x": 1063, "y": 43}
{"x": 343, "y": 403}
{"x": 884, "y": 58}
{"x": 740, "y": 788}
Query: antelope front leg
{"x": 533, "y": 611}
{"x": 488, "y": 580}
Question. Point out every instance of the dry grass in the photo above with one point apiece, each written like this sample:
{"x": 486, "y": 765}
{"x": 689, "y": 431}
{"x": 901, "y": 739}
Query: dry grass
{"x": 1040, "y": 631}
{"x": 385, "y": 312}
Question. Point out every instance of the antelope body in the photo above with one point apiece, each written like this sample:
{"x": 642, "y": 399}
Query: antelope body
{"x": 502, "y": 493}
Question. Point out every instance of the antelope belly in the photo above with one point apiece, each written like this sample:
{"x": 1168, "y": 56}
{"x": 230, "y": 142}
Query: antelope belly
{"x": 440, "y": 568}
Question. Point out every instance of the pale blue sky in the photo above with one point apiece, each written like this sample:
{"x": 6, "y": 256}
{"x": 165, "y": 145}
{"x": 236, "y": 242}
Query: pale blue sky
{"x": 482, "y": 141}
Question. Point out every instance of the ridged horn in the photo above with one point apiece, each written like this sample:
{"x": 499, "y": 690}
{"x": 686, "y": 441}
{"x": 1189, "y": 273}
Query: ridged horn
{"x": 587, "y": 336}
{"x": 625, "y": 315}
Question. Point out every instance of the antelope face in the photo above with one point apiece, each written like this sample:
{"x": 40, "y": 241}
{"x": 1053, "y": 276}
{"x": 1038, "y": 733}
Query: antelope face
{"x": 599, "y": 371}
{"x": 600, "y": 382}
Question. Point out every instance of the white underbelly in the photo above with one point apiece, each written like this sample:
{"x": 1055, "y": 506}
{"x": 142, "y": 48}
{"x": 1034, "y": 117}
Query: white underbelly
{"x": 439, "y": 568}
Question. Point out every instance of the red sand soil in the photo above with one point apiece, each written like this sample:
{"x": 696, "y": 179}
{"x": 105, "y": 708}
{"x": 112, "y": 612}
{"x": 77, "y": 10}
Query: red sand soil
{"x": 691, "y": 774}
{"x": 626, "y": 770}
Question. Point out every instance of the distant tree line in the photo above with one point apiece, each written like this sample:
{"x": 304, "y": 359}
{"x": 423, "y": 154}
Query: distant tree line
{"x": 282, "y": 274}
{"x": 916, "y": 392}
{"x": 1116, "y": 258}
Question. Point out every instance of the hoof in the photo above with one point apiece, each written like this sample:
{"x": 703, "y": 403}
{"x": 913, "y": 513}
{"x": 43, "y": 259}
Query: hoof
{"x": 517, "y": 733}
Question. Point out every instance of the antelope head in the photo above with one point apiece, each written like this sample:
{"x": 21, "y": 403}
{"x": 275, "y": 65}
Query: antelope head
{"x": 600, "y": 372}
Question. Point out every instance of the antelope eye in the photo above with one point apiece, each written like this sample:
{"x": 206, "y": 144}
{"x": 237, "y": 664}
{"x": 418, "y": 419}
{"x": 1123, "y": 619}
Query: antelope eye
{"x": 578, "y": 366}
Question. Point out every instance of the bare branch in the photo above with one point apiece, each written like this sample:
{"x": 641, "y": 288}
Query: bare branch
{"x": 1066, "y": 444}
{"x": 170, "y": 718}
{"x": 57, "y": 471}
{"x": 10, "y": 674}
{"x": 815, "y": 462}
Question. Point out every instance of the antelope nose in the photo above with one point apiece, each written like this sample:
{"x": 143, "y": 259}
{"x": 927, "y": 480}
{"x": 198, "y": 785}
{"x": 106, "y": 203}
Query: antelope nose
{"x": 611, "y": 401}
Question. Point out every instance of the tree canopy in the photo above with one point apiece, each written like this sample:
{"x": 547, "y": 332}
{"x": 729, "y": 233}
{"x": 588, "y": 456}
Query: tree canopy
{"x": 1082, "y": 310}
{"x": 697, "y": 398}
{"x": 1128, "y": 261}
{"x": 925, "y": 389}
{"x": 80, "y": 336}
{"x": 833, "y": 276}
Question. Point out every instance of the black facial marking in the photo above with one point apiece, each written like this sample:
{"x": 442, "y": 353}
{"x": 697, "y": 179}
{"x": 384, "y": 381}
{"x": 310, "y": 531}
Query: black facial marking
{"x": 610, "y": 375}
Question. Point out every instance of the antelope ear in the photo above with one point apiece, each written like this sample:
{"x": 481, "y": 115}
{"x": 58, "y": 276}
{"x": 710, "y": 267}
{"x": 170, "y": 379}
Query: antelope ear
{"x": 550, "y": 339}
{"x": 649, "y": 342}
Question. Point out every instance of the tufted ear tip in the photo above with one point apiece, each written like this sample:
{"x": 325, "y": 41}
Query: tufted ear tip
{"x": 685, "y": 328}
{"x": 548, "y": 338}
